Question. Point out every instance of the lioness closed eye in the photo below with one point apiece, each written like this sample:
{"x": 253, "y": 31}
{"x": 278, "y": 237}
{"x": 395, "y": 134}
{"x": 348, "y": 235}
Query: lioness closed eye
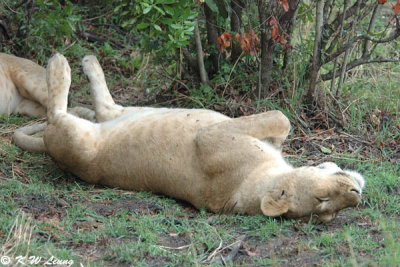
{"x": 200, "y": 156}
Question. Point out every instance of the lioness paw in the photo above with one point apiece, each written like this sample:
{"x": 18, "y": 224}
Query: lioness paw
{"x": 58, "y": 72}
{"x": 91, "y": 66}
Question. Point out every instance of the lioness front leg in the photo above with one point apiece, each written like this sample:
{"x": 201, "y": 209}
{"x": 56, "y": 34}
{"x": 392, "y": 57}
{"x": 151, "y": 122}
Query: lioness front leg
{"x": 105, "y": 107}
{"x": 69, "y": 139}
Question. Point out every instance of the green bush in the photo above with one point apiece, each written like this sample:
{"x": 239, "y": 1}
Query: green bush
{"x": 162, "y": 25}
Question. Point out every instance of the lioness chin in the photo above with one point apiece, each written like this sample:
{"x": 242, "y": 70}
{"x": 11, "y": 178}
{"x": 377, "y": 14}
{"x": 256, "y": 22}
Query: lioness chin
{"x": 197, "y": 155}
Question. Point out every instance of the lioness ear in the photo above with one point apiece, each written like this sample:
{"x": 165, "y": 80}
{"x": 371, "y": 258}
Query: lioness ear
{"x": 272, "y": 207}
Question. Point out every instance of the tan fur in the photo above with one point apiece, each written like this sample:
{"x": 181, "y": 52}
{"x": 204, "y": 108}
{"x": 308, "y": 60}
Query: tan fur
{"x": 23, "y": 87}
{"x": 200, "y": 156}
{"x": 23, "y": 90}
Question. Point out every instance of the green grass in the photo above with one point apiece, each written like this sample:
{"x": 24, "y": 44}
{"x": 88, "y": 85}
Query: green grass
{"x": 55, "y": 214}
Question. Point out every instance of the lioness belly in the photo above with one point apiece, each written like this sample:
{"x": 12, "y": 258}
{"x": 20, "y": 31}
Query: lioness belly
{"x": 156, "y": 152}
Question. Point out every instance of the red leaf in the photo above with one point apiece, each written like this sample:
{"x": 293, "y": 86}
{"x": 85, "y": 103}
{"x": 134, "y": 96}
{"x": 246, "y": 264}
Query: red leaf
{"x": 286, "y": 5}
{"x": 274, "y": 33}
{"x": 286, "y": 47}
{"x": 272, "y": 21}
{"x": 282, "y": 40}
{"x": 396, "y": 7}
{"x": 253, "y": 40}
{"x": 381, "y": 2}
{"x": 224, "y": 40}
{"x": 249, "y": 42}
{"x": 245, "y": 45}
{"x": 238, "y": 37}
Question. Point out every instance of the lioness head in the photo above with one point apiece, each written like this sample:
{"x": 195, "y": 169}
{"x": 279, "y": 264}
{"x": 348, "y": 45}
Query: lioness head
{"x": 323, "y": 191}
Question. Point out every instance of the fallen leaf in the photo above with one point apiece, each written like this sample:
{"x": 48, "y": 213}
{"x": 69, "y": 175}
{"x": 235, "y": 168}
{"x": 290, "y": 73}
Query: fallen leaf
{"x": 325, "y": 150}
{"x": 249, "y": 253}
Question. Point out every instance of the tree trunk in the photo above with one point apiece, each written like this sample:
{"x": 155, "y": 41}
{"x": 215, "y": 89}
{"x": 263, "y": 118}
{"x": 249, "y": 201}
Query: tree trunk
{"x": 236, "y": 23}
{"x": 212, "y": 36}
{"x": 285, "y": 21}
{"x": 267, "y": 52}
{"x": 199, "y": 49}
{"x": 316, "y": 59}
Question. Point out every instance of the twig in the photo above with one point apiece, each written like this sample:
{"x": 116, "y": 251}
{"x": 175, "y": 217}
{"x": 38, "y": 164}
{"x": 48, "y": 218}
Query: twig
{"x": 346, "y": 57}
{"x": 173, "y": 79}
{"x": 371, "y": 27}
{"x": 218, "y": 248}
{"x": 12, "y": 10}
{"x": 97, "y": 17}
{"x": 350, "y": 43}
{"x": 235, "y": 248}
{"x": 355, "y": 138}
{"x": 233, "y": 68}
{"x": 177, "y": 248}
{"x": 358, "y": 62}
{"x": 339, "y": 36}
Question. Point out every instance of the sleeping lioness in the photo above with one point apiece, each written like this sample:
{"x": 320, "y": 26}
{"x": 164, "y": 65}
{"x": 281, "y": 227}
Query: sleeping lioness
{"x": 197, "y": 155}
{"x": 23, "y": 87}
{"x": 23, "y": 90}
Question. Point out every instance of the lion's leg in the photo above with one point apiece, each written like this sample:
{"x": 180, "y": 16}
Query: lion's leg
{"x": 83, "y": 113}
{"x": 105, "y": 107}
{"x": 231, "y": 145}
{"x": 58, "y": 83}
{"x": 31, "y": 108}
{"x": 70, "y": 140}
{"x": 272, "y": 126}
{"x": 30, "y": 79}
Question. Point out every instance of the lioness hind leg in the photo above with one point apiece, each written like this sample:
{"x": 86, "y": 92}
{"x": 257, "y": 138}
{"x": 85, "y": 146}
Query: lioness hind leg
{"x": 29, "y": 78}
{"x": 70, "y": 140}
{"x": 231, "y": 142}
{"x": 273, "y": 126}
{"x": 58, "y": 83}
{"x": 105, "y": 107}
